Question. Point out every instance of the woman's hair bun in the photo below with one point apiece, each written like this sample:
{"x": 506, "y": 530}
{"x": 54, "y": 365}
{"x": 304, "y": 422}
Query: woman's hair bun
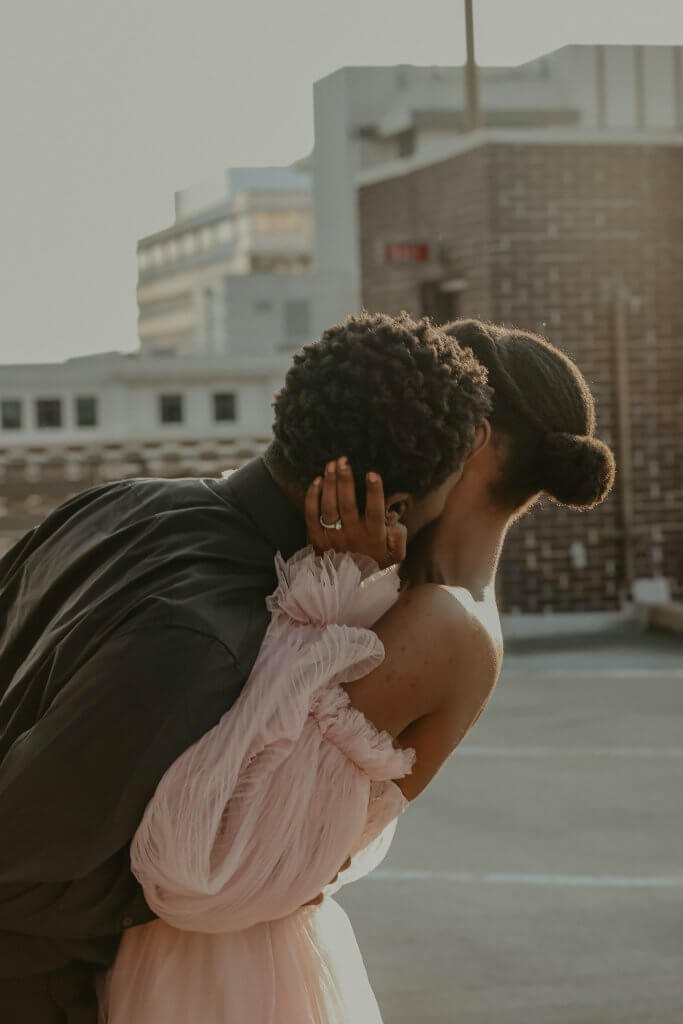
{"x": 576, "y": 470}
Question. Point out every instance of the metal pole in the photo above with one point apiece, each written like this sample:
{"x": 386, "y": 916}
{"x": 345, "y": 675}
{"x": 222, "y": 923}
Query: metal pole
{"x": 624, "y": 461}
{"x": 473, "y": 112}
{"x": 639, "y": 67}
{"x": 601, "y": 87}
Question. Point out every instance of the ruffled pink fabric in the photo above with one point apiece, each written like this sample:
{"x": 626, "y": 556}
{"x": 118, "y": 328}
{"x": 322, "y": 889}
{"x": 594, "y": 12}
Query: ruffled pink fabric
{"x": 255, "y": 819}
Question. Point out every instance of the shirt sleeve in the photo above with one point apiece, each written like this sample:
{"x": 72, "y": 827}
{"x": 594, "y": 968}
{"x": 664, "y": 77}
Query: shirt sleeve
{"x": 74, "y": 787}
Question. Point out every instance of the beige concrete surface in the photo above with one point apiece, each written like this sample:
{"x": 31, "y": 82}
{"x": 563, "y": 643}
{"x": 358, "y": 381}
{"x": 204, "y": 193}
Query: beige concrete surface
{"x": 540, "y": 879}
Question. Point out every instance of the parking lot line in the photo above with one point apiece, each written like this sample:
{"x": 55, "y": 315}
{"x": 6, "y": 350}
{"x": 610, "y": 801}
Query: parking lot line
{"x": 512, "y": 878}
{"x": 609, "y": 674}
{"x": 538, "y": 751}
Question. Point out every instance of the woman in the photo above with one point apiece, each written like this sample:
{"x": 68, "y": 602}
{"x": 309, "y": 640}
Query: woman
{"x": 339, "y": 727}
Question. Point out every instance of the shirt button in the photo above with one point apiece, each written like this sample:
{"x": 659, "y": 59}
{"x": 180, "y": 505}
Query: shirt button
{"x": 127, "y": 922}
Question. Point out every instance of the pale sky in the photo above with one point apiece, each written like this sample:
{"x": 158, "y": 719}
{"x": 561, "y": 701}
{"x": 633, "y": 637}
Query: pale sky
{"x": 109, "y": 106}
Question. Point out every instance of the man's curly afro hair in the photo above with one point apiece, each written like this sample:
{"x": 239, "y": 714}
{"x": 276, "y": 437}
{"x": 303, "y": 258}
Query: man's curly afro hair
{"x": 395, "y": 395}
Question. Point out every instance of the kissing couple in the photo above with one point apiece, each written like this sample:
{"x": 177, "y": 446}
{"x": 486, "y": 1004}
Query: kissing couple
{"x": 217, "y": 696}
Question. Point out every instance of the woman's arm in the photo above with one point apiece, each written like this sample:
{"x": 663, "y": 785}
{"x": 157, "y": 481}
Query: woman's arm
{"x": 439, "y": 670}
{"x": 441, "y": 662}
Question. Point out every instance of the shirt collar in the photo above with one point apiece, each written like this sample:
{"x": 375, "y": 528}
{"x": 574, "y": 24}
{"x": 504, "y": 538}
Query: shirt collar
{"x": 267, "y": 505}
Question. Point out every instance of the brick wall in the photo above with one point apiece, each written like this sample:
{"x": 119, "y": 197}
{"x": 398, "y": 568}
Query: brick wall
{"x": 34, "y": 481}
{"x": 413, "y": 208}
{"x": 541, "y": 233}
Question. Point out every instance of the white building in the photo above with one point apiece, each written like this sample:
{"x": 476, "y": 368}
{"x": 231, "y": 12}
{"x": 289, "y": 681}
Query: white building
{"x": 123, "y": 398}
{"x": 68, "y": 426}
{"x": 264, "y": 259}
{"x": 250, "y": 222}
{"x": 372, "y": 123}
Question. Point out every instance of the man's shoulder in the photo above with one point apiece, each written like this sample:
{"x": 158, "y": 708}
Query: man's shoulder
{"x": 164, "y": 489}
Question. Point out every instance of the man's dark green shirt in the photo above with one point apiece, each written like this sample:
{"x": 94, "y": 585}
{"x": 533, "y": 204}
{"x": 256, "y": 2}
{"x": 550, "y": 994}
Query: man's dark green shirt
{"x": 130, "y": 620}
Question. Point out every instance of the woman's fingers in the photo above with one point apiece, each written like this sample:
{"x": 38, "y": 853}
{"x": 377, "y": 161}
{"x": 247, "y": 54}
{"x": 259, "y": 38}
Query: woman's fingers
{"x": 332, "y": 499}
{"x": 346, "y": 495}
{"x": 329, "y": 507}
{"x": 345, "y": 865}
{"x": 374, "y": 506}
{"x": 397, "y": 540}
{"x": 316, "y": 534}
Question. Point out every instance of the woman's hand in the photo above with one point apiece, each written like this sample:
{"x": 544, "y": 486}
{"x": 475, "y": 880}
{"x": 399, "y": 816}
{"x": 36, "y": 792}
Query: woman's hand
{"x": 318, "y": 899}
{"x": 332, "y": 500}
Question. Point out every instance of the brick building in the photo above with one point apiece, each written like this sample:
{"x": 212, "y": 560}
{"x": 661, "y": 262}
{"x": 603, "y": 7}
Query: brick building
{"x": 569, "y": 238}
{"x": 35, "y": 480}
{"x": 68, "y": 426}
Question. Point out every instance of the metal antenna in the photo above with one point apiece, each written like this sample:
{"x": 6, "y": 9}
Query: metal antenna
{"x": 473, "y": 112}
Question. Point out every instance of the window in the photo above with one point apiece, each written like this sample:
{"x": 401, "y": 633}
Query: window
{"x": 439, "y": 302}
{"x": 297, "y": 320}
{"x": 224, "y": 407}
{"x": 86, "y": 411}
{"x": 283, "y": 264}
{"x": 11, "y": 414}
{"x": 160, "y": 307}
{"x": 49, "y": 412}
{"x": 281, "y": 222}
{"x": 171, "y": 408}
{"x": 405, "y": 143}
{"x": 225, "y": 231}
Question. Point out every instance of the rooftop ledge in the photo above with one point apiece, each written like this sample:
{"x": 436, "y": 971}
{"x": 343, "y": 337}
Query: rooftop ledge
{"x": 516, "y": 137}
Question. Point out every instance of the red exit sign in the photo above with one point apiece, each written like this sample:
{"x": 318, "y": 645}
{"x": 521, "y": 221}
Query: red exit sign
{"x": 406, "y": 252}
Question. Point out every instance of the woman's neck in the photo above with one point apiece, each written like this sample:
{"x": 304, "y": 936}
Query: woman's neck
{"x": 463, "y": 548}
{"x": 469, "y": 558}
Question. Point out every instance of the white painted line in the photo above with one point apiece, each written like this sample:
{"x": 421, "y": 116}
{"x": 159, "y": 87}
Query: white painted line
{"x": 517, "y": 672}
{"x": 510, "y": 878}
{"x": 490, "y": 751}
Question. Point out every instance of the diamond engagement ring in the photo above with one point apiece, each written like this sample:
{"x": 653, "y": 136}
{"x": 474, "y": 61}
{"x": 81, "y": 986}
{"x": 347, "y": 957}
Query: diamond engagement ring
{"x": 331, "y": 526}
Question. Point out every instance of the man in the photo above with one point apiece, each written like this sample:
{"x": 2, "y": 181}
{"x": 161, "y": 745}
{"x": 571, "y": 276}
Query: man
{"x": 132, "y": 616}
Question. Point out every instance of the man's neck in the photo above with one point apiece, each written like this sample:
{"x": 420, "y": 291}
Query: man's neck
{"x": 293, "y": 493}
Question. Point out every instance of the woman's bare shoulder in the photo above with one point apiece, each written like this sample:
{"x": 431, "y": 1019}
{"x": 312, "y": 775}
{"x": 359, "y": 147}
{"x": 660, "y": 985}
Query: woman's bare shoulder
{"x": 436, "y": 650}
{"x": 450, "y": 613}
{"x": 455, "y": 654}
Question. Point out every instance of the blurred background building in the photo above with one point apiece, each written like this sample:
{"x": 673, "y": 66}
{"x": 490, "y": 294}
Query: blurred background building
{"x": 582, "y": 242}
{"x": 372, "y": 123}
{"x": 560, "y": 212}
{"x": 248, "y": 226}
{"x": 71, "y": 425}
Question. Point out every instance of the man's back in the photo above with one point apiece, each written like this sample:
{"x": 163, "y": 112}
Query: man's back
{"x": 130, "y": 621}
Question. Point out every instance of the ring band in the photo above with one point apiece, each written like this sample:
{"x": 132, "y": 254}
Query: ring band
{"x": 331, "y": 526}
